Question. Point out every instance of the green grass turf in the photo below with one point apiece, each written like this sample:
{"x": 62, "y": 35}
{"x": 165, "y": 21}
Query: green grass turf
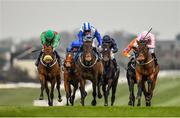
{"x": 166, "y": 93}
{"x": 165, "y": 102}
{"x": 89, "y": 111}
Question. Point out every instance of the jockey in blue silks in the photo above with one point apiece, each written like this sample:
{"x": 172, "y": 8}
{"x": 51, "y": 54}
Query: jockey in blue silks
{"x": 74, "y": 47}
{"x": 88, "y": 32}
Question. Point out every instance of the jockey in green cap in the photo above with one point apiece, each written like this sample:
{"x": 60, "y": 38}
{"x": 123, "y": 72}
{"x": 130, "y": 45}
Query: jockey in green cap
{"x": 49, "y": 38}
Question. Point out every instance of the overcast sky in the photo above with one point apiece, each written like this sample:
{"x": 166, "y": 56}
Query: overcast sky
{"x": 27, "y": 18}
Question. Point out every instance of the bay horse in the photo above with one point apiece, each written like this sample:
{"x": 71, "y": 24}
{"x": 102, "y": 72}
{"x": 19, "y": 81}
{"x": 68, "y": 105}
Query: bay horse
{"x": 110, "y": 75}
{"x": 91, "y": 68}
{"x": 49, "y": 71}
{"x": 146, "y": 71}
{"x": 71, "y": 77}
{"x": 131, "y": 78}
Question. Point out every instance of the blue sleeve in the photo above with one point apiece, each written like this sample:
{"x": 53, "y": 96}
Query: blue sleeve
{"x": 98, "y": 36}
{"x": 69, "y": 48}
{"x": 80, "y": 37}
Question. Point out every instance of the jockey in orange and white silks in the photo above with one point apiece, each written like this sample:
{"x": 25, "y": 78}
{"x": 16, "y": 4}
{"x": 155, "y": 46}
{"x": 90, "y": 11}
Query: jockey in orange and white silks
{"x": 151, "y": 45}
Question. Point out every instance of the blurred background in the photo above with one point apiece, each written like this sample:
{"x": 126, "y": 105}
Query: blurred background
{"x": 22, "y": 21}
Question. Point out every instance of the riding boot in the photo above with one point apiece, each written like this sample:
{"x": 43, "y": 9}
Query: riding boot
{"x": 38, "y": 59}
{"x": 154, "y": 56}
{"x": 115, "y": 63}
{"x": 58, "y": 58}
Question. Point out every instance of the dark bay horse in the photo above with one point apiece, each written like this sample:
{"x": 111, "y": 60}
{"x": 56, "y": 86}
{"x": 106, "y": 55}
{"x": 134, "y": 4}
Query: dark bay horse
{"x": 110, "y": 75}
{"x": 71, "y": 77}
{"x": 49, "y": 71}
{"x": 146, "y": 71}
{"x": 90, "y": 69}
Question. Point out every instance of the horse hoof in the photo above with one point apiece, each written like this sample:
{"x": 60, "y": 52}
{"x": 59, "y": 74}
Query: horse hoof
{"x": 148, "y": 104}
{"x": 138, "y": 104}
{"x": 105, "y": 104}
{"x": 99, "y": 96}
{"x": 93, "y": 103}
{"x": 50, "y": 104}
{"x": 131, "y": 103}
{"x": 82, "y": 103}
{"x": 59, "y": 100}
{"x": 41, "y": 98}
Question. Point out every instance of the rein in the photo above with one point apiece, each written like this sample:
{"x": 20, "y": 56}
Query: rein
{"x": 144, "y": 63}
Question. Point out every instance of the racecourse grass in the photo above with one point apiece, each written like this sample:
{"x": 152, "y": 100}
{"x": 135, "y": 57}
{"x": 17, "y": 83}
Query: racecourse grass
{"x": 165, "y": 102}
{"x": 90, "y": 111}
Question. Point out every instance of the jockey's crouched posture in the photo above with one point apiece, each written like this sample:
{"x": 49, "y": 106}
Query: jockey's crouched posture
{"x": 151, "y": 44}
{"x": 113, "y": 46}
{"x": 49, "y": 38}
{"x": 88, "y": 32}
{"x": 74, "y": 47}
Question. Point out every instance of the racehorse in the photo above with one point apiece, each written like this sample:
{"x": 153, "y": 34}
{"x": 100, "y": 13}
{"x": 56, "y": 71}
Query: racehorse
{"x": 131, "y": 78}
{"x": 49, "y": 71}
{"x": 146, "y": 70}
{"x": 91, "y": 68}
{"x": 110, "y": 75}
{"x": 71, "y": 77}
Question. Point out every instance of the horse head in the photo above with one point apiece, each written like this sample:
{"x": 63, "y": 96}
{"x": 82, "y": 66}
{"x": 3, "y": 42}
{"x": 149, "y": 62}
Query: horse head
{"x": 106, "y": 52}
{"x": 87, "y": 51}
{"x": 142, "y": 50}
{"x": 48, "y": 54}
{"x": 69, "y": 61}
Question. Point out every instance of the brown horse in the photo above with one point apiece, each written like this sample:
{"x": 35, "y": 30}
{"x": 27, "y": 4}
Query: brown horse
{"x": 71, "y": 77}
{"x": 146, "y": 70}
{"x": 110, "y": 76}
{"x": 90, "y": 69}
{"x": 49, "y": 71}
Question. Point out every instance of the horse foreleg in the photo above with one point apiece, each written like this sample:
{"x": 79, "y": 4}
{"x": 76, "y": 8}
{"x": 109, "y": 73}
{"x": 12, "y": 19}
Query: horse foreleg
{"x": 131, "y": 90}
{"x": 107, "y": 91}
{"x": 104, "y": 92}
{"x": 114, "y": 86}
{"x": 139, "y": 83}
{"x": 82, "y": 90}
{"x": 94, "y": 93}
{"x": 58, "y": 87}
{"x": 52, "y": 91}
{"x": 149, "y": 93}
{"x": 42, "y": 81}
{"x": 47, "y": 91}
{"x": 99, "y": 86}
{"x": 74, "y": 92}
{"x": 67, "y": 89}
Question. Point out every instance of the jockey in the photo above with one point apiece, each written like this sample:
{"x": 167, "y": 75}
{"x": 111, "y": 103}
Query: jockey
{"x": 75, "y": 45}
{"x": 151, "y": 44}
{"x": 88, "y": 32}
{"x": 114, "y": 49}
{"x": 49, "y": 38}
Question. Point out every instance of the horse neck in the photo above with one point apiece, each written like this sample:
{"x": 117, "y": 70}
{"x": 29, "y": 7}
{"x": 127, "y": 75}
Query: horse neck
{"x": 149, "y": 65}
